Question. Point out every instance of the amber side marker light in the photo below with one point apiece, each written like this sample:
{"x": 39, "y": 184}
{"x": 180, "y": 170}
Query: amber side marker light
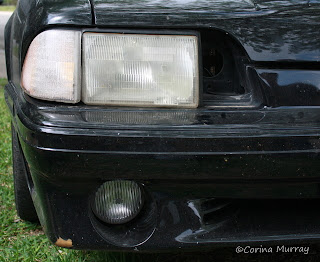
{"x": 51, "y": 70}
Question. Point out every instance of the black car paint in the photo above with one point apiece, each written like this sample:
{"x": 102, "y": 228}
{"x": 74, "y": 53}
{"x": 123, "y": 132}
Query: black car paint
{"x": 268, "y": 30}
{"x": 182, "y": 157}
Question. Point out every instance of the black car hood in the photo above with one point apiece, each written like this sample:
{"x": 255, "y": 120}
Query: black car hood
{"x": 269, "y": 30}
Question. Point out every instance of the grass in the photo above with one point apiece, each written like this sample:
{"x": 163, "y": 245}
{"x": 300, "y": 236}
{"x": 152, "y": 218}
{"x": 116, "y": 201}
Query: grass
{"x": 23, "y": 241}
{"x": 8, "y": 8}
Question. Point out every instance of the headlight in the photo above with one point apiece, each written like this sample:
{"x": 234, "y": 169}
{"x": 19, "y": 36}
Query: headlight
{"x": 118, "y": 69}
{"x": 51, "y": 69}
{"x": 140, "y": 70}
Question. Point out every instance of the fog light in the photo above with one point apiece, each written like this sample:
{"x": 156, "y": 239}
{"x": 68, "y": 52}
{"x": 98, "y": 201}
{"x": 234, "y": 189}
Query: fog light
{"x": 117, "y": 202}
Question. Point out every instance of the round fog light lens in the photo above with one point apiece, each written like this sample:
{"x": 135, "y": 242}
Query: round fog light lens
{"x": 117, "y": 202}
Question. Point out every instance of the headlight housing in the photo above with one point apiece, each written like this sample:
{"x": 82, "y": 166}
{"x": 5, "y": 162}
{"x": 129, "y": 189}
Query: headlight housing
{"x": 117, "y": 69}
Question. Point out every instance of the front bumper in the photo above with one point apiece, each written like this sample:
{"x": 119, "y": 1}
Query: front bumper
{"x": 191, "y": 163}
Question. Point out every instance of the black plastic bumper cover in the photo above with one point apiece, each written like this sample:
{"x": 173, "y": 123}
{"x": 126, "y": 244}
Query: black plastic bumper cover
{"x": 183, "y": 166}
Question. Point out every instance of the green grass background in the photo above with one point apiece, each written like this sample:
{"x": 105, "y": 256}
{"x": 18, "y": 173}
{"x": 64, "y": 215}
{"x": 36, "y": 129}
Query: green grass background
{"x": 8, "y": 5}
{"x": 9, "y": 8}
{"x": 22, "y": 241}
{"x": 10, "y": 2}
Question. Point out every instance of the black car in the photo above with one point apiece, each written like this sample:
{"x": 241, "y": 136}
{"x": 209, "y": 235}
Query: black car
{"x": 214, "y": 140}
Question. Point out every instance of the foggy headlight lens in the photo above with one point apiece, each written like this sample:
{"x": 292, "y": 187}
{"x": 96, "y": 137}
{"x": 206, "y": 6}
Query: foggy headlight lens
{"x": 140, "y": 70}
{"x": 51, "y": 69}
{"x": 117, "y": 202}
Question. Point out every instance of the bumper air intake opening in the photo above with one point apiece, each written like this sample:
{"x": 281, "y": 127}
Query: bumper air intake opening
{"x": 228, "y": 81}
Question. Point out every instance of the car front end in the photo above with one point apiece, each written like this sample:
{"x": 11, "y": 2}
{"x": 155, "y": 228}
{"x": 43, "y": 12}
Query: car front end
{"x": 156, "y": 126}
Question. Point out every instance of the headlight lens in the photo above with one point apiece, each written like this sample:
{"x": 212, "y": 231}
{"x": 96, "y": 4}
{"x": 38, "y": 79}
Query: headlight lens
{"x": 140, "y": 70}
{"x": 51, "y": 69}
